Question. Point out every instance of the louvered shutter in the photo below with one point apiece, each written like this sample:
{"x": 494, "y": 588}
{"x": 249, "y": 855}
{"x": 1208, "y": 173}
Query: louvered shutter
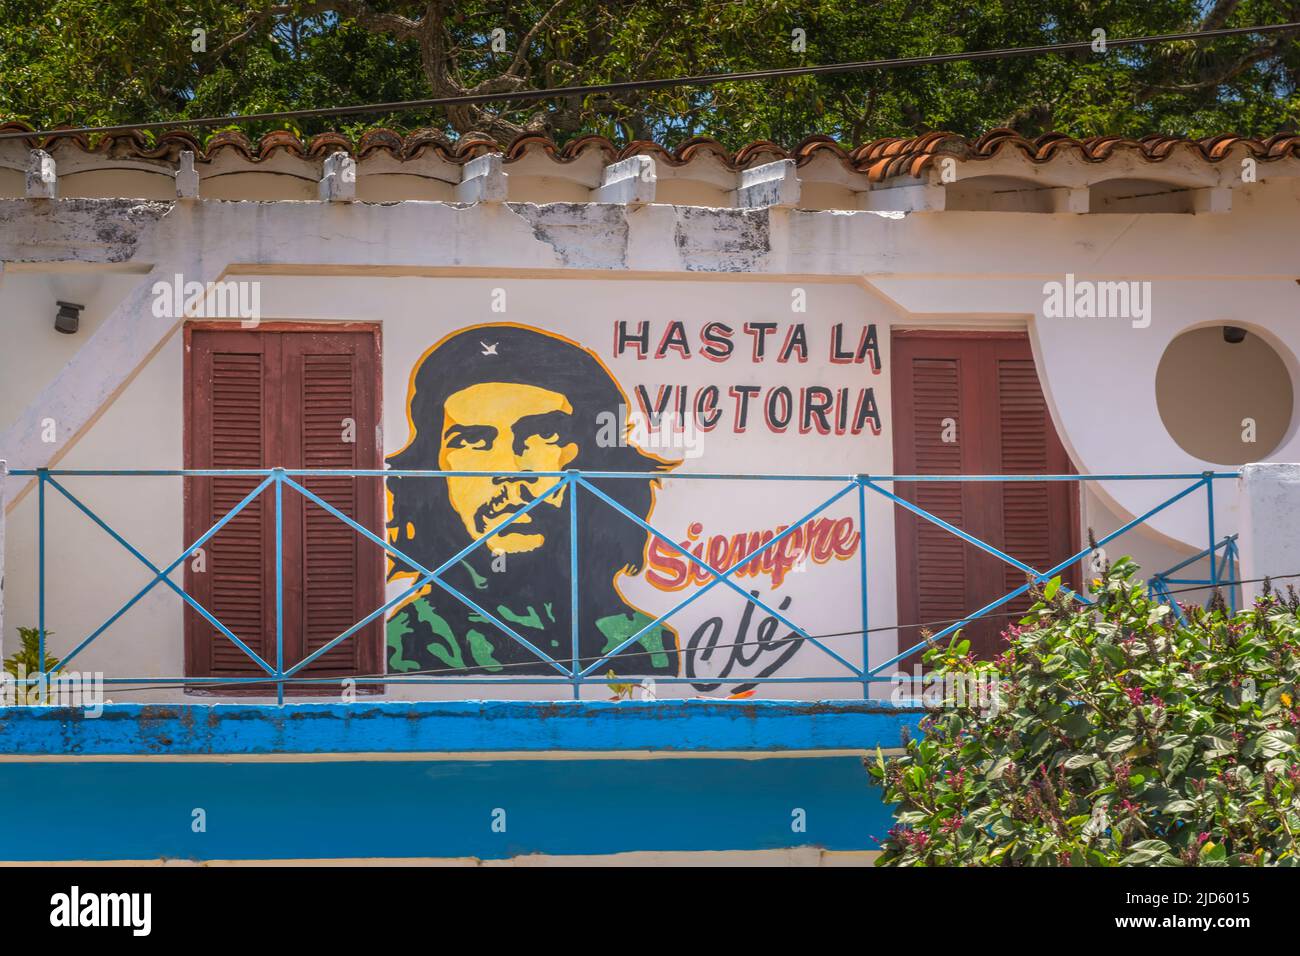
{"x": 263, "y": 398}
{"x": 230, "y": 577}
{"x": 941, "y": 576}
{"x": 987, "y": 384}
{"x": 1033, "y": 513}
{"x": 333, "y": 385}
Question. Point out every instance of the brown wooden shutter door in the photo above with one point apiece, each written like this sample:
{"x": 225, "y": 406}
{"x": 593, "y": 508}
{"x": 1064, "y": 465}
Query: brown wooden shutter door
{"x": 986, "y": 383}
{"x": 228, "y": 428}
{"x": 341, "y": 573}
{"x": 1039, "y": 520}
{"x": 293, "y": 398}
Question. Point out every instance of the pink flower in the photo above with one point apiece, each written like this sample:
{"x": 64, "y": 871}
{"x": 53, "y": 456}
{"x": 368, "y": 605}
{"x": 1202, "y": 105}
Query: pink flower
{"x": 909, "y": 837}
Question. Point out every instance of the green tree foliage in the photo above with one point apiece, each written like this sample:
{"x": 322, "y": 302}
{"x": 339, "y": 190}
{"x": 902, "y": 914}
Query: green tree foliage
{"x": 119, "y": 61}
{"x": 1119, "y": 735}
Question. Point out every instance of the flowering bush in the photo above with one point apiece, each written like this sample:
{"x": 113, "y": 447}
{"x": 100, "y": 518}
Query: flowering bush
{"x": 1119, "y": 735}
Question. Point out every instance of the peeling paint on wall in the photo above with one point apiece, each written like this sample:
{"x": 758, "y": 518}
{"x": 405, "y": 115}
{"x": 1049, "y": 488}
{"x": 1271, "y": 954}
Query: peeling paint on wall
{"x": 723, "y": 240}
{"x": 83, "y": 230}
{"x": 583, "y": 235}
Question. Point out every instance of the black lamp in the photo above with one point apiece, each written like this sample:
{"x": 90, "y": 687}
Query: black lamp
{"x": 69, "y": 318}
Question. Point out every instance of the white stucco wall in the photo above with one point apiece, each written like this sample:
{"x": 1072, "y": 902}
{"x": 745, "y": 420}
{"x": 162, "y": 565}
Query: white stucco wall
{"x": 89, "y": 574}
{"x": 144, "y": 429}
{"x": 33, "y": 353}
{"x": 424, "y": 269}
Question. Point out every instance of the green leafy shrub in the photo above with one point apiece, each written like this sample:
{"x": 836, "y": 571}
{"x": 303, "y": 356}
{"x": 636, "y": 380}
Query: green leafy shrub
{"x": 1121, "y": 735}
{"x": 27, "y": 662}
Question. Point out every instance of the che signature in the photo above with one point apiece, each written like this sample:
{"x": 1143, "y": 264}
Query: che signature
{"x": 741, "y": 651}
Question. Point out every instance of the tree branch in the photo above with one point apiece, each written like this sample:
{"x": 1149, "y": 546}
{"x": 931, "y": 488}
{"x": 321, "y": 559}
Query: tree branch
{"x": 1222, "y": 75}
{"x": 520, "y": 61}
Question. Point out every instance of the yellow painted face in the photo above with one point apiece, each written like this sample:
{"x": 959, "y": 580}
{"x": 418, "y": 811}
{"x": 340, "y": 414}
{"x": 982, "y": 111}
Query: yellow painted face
{"x": 505, "y": 427}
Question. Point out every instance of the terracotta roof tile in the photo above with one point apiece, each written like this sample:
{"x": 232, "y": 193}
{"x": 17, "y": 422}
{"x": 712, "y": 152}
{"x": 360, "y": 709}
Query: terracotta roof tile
{"x": 880, "y": 159}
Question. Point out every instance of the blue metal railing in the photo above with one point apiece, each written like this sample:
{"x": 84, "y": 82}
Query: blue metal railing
{"x": 1224, "y": 570}
{"x": 575, "y": 671}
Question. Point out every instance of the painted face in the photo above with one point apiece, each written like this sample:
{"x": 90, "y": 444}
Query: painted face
{"x": 505, "y": 427}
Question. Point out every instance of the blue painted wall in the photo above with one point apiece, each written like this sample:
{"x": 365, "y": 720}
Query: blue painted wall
{"x": 457, "y": 726}
{"x": 264, "y": 808}
{"x": 431, "y": 808}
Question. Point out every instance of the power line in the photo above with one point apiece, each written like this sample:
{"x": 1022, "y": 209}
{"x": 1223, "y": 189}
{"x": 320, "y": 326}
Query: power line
{"x": 701, "y": 80}
{"x": 625, "y": 655}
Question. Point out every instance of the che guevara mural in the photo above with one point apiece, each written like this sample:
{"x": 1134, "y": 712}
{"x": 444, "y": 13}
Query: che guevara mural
{"x": 502, "y": 400}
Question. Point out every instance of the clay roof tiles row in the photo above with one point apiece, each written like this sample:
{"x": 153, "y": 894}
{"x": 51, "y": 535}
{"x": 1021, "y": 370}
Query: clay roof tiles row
{"x": 879, "y": 159}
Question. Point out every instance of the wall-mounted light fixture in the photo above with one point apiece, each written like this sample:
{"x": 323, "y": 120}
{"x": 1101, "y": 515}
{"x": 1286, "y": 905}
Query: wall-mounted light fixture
{"x": 1234, "y": 334}
{"x": 69, "y": 318}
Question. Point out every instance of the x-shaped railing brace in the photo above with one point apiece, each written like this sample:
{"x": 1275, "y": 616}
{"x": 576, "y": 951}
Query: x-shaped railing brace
{"x": 1036, "y": 577}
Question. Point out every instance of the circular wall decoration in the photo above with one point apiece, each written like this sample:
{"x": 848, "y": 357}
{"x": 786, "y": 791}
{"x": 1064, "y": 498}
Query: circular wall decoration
{"x": 1224, "y": 395}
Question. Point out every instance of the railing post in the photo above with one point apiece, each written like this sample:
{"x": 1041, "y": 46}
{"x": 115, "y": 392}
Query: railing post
{"x": 1268, "y": 536}
{"x": 41, "y": 476}
{"x": 278, "y": 474}
{"x": 1209, "y": 507}
{"x": 4, "y": 475}
{"x": 1230, "y": 566}
{"x": 572, "y": 484}
{"x": 862, "y": 572}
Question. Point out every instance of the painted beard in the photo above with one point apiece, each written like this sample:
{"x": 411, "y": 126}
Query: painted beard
{"x": 499, "y": 505}
{"x": 546, "y": 519}
{"x": 539, "y": 574}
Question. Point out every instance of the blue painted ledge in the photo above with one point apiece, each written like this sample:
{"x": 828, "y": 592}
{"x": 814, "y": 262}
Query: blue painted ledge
{"x": 455, "y": 727}
{"x": 115, "y": 809}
